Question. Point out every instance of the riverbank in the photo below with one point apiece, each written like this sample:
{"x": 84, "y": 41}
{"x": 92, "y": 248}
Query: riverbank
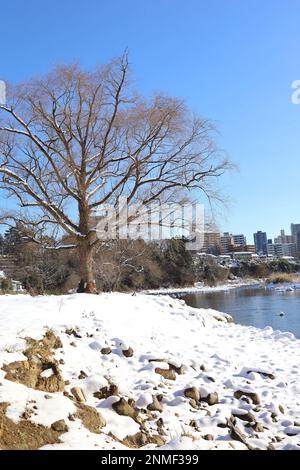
{"x": 201, "y": 287}
{"x": 138, "y": 371}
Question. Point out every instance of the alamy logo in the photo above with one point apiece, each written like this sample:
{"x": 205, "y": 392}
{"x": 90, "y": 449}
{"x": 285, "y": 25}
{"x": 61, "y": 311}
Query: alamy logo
{"x": 2, "y": 92}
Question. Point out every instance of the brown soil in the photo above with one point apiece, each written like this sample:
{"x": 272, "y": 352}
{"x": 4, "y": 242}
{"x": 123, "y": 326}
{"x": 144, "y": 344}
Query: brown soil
{"x": 90, "y": 418}
{"x": 24, "y": 435}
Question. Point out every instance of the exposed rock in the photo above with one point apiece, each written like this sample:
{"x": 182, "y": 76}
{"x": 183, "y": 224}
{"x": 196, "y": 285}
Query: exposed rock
{"x": 168, "y": 374}
{"x": 51, "y": 341}
{"x": 141, "y": 439}
{"x": 254, "y": 396}
{"x": 245, "y": 417}
{"x": 258, "y": 427}
{"x": 29, "y": 373}
{"x": 78, "y": 393}
{"x": 106, "y": 392}
{"x": 208, "y": 437}
{"x": 194, "y": 404}
{"x": 193, "y": 393}
{"x": 178, "y": 370}
{"x": 90, "y": 418}
{"x": 124, "y": 408}
{"x": 211, "y": 399}
{"x": 264, "y": 374}
{"x": 60, "y": 426}
{"x": 155, "y": 405}
{"x": 106, "y": 350}
{"x": 127, "y": 352}
{"x": 73, "y": 332}
{"x": 82, "y": 375}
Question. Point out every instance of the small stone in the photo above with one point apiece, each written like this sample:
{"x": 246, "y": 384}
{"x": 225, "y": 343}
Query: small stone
{"x": 193, "y": 393}
{"x": 178, "y": 370}
{"x": 127, "y": 352}
{"x": 77, "y": 392}
{"x": 67, "y": 382}
{"x": 168, "y": 374}
{"x": 60, "y": 426}
{"x": 258, "y": 427}
{"x": 208, "y": 437}
{"x": 245, "y": 417}
{"x": 82, "y": 375}
{"x": 48, "y": 397}
{"x": 203, "y": 368}
{"x": 212, "y": 398}
{"x": 155, "y": 405}
{"x": 73, "y": 344}
{"x": 106, "y": 392}
{"x": 61, "y": 361}
{"x": 124, "y": 408}
{"x": 281, "y": 409}
{"x": 194, "y": 404}
{"x": 254, "y": 396}
{"x": 106, "y": 350}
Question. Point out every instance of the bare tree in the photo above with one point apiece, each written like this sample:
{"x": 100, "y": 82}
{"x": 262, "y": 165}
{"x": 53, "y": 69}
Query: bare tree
{"x": 73, "y": 141}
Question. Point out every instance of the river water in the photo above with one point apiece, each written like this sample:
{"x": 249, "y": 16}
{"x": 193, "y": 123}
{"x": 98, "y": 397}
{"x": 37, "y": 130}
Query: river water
{"x": 256, "y": 306}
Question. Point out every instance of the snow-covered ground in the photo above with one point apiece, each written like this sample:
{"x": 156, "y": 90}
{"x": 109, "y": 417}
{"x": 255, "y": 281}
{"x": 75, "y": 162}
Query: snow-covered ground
{"x": 226, "y": 386}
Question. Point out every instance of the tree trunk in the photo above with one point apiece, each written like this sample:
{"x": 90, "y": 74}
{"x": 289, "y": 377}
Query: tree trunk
{"x": 87, "y": 282}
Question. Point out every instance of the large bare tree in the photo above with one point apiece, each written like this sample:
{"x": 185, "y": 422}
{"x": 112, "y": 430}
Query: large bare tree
{"x": 73, "y": 141}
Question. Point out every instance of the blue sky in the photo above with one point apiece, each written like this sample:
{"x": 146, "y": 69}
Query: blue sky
{"x": 232, "y": 60}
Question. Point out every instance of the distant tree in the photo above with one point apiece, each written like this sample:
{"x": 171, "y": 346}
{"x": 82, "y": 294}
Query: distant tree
{"x": 178, "y": 262}
{"x": 73, "y": 141}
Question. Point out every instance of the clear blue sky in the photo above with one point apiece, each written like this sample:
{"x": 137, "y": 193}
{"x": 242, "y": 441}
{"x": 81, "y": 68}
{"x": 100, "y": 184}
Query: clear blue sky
{"x": 232, "y": 60}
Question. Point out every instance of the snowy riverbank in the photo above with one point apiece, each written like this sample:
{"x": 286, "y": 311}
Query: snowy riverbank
{"x": 119, "y": 371}
{"x": 201, "y": 287}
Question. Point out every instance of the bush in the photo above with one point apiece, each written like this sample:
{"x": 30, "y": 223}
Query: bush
{"x": 6, "y": 285}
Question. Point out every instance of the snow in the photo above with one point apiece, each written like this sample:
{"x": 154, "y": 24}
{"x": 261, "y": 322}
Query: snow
{"x": 201, "y": 287}
{"x": 217, "y": 355}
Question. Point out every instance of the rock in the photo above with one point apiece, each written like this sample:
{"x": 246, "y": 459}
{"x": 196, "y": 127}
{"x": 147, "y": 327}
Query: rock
{"x": 194, "y": 404}
{"x": 168, "y": 374}
{"x": 77, "y": 392}
{"x": 193, "y": 393}
{"x": 281, "y": 409}
{"x": 155, "y": 405}
{"x": 212, "y": 399}
{"x": 203, "y": 368}
{"x": 127, "y": 352}
{"x": 208, "y": 437}
{"x": 29, "y": 373}
{"x": 82, "y": 375}
{"x": 254, "y": 396}
{"x": 178, "y": 370}
{"x": 59, "y": 426}
{"x": 141, "y": 439}
{"x": 61, "y": 361}
{"x": 264, "y": 374}
{"x": 106, "y": 392}
{"x": 73, "y": 332}
{"x": 124, "y": 408}
{"x": 258, "y": 427}
{"x": 106, "y": 351}
{"x": 51, "y": 341}
{"x": 245, "y": 417}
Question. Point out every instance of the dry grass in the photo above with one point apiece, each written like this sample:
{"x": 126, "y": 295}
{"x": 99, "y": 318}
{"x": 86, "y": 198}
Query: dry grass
{"x": 278, "y": 278}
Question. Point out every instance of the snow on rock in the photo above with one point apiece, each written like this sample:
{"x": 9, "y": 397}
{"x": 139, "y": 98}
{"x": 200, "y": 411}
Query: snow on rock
{"x": 219, "y": 385}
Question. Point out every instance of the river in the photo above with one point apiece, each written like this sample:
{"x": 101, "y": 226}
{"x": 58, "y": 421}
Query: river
{"x": 255, "y": 305}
